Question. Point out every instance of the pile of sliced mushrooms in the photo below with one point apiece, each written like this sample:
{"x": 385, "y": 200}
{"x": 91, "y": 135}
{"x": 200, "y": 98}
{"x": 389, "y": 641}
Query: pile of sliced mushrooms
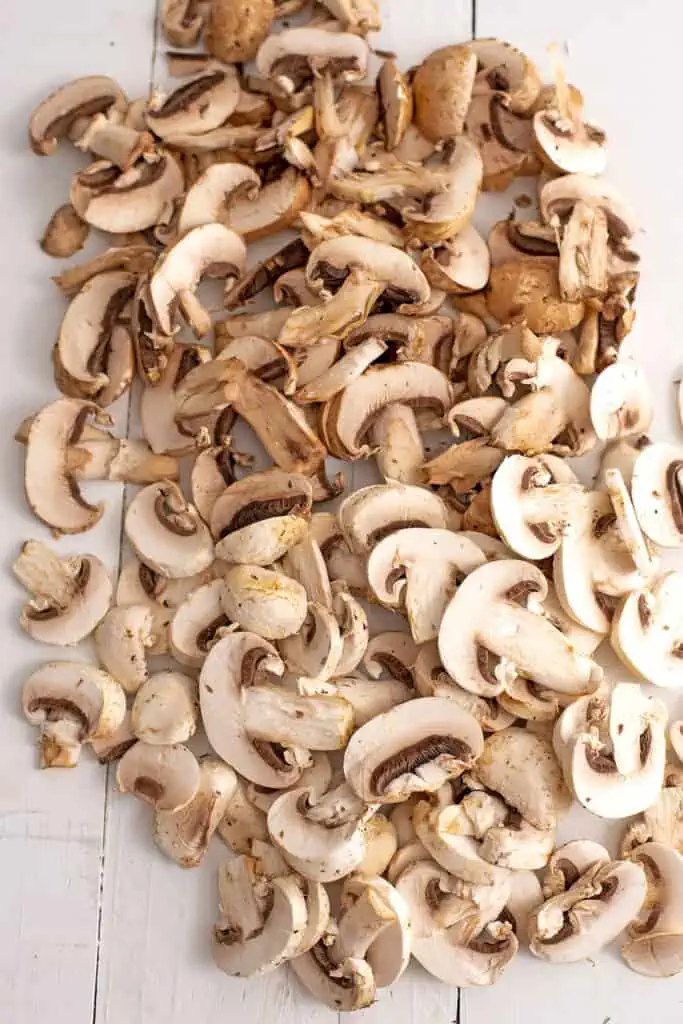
{"x": 384, "y": 792}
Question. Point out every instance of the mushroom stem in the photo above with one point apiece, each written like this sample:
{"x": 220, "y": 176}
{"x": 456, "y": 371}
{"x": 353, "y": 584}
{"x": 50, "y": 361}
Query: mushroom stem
{"x": 316, "y": 723}
{"x": 552, "y": 503}
{"x": 361, "y": 924}
{"x": 45, "y": 574}
{"x": 195, "y": 314}
{"x": 561, "y": 88}
{"x": 118, "y": 143}
{"x": 119, "y": 460}
{"x": 336, "y": 317}
{"x": 239, "y": 909}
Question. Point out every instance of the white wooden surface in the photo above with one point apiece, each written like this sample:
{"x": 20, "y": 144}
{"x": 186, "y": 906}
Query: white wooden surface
{"x": 95, "y": 927}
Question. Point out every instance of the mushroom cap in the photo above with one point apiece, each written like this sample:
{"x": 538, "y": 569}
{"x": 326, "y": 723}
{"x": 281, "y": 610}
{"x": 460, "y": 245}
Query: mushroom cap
{"x": 415, "y": 747}
{"x": 123, "y": 202}
{"x": 621, "y": 403}
{"x": 656, "y": 493}
{"x": 646, "y": 628}
{"x": 77, "y": 692}
{"x": 83, "y": 97}
{"x": 235, "y": 30}
{"x": 442, "y": 88}
{"x": 264, "y": 601}
{"x": 529, "y": 287}
{"x": 88, "y": 598}
{"x": 167, "y": 533}
{"x": 122, "y": 639}
{"x": 167, "y": 777}
{"x": 165, "y": 709}
{"x": 371, "y": 513}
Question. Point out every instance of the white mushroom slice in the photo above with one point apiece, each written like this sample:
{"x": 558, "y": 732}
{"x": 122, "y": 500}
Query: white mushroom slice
{"x": 213, "y": 192}
{"x": 501, "y": 68}
{"x": 197, "y": 624}
{"x": 314, "y": 651}
{"x": 167, "y": 533}
{"x": 368, "y": 699}
{"x": 432, "y": 680}
{"x": 450, "y": 838}
{"x": 656, "y": 492}
{"x": 332, "y": 261}
{"x": 230, "y": 667}
{"x": 621, "y": 455}
{"x": 82, "y": 98}
{"x": 112, "y": 747}
{"x": 474, "y": 417}
{"x": 380, "y": 848}
{"x": 199, "y": 104}
{"x": 123, "y": 639}
{"x": 158, "y": 404}
{"x": 316, "y": 778}
{"x": 577, "y": 924}
{"x": 353, "y": 628}
{"x": 532, "y": 500}
{"x": 165, "y": 709}
{"x": 335, "y": 555}
{"x": 254, "y": 935}
{"x": 559, "y": 195}
{"x": 393, "y": 654}
{"x": 123, "y": 202}
{"x": 70, "y": 595}
{"x": 211, "y": 473}
{"x": 464, "y": 466}
{"x": 504, "y": 138}
{"x": 646, "y": 631}
{"x": 419, "y": 568}
{"x": 184, "y": 835}
{"x": 71, "y": 702}
{"x": 569, "y": 862}
{"x": 274, "y": 715}
{"x": 660, "y": 823}
{"x": 448, "y": 211}
{"x": 348, "y": 985}
{"x": 627, "y": 523}
{"x": 342, "y": 373}
{"x": 243, "y": 822}
{"x": 568, "y": 144}
{"x": 517, "y": 845}
{"x": 335, "y": 317}
{"x": 460, "y": 264}
{"x": 400, "y": 451}
{"x": 489, "y": 633}
{"x": 323, "y": 841}
{"x": 294, "y": 55}
{"x": 276, "y": 208}
{"x": 371, "y": 513}
{"x": 374, "y": 925}
{"x": 415, "y": 747}
{"x": 655, "y": 944}
{"x": 167, "y": 777}
{"x": 210, "y": 249}
{"x": 621, "y": 403}
{"x": 122, "y": 144}
{"x": 264, "y": 601}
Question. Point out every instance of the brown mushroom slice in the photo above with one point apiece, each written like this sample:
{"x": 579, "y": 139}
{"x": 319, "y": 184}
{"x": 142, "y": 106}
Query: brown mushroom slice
{"x": 210, "y": 197}
{"x": 396, "y": 99}
{"x": 503, "y": 69}
{"x": 460, "y": 264}
{"x": 121, "y": 202}
{"x": 559, "y": 196}
{"x": 199, "y": 104}
{"x": 464, "y": 466}
{"x": 445, "y": 213}
{"x": 442, "y": 88}
{"x": 505, "y": 140}
{"x": 235, "y": 30}
{"x": 65, "y": 233}
{"x": 276, "y": 207}
{"x": 167, "y": 777}
{"x": 167, "y": 533}
{"x": 291, "y": 57}
{"x": 267, "y": 273}
{"x": 265, "y": 358}
{"x": 332, "y": 261}
{"x": 336, "y": 316}
{"x": 81, "y": 98}
{"x": 508, "y": 240}
{"x": 185, "y": 835}
{"x": 529, "y": 288}
{"x": 227, "y": 141}
{"x": 136, "y": 259}
{"x": 415, "y": 747}
{"x": 656, "y": 491}
{"x": 158, "y": 404}
{"x": 341, "y": 373}
{"x": 350, "y": 414}
{"x": 584, "y": 255}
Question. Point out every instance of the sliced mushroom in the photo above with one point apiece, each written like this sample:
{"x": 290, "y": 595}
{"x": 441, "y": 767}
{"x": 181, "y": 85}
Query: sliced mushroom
{"x": 508, "y": 240}
{"x": 184, "y": 835}
{"x": 65, "y": 233}
{"x": 167, "y": 533}
{"x": 235, "y": 31}
{"x": 396, "y": 99}
{"x": 122, "y": 202}
{"x": 136, "y": 259}
{"x": 181, "y": 22}
{"x": 503, "y": 69}
{"x": 646, "y": 631}
{"x": 332, "y": 261}
{"x": 54, "y": 118}
{"x": 199, "y": 104}
{"x": 212, "y": 472}
{"x": 197, "y": 624}
{"x": 374, "y": 925}
{"x": 432, "y": 680}
{"x": 529, "y": 288}
{"x": 567, "y": 143}
{"x": 276, "y": 207}
{"x": 213, "y": 192}
{"x": 305, "y": 563}
{"x": 621, "y": 404}
{"x": 443, "y": 89}
{"x": 662, "y": 822}
{"x": 655, "y": 944}
{"x": 381, "y": 846}
{"x": 286, "y": 261}
{"x": 165, "y": 709}
{"x": 372, "y": 513}
{"x": 447, "y": 210}
{"x": 337, "y": 558}
{"x": 264, "y": 601}
{"x": 348, "y": 985}
{"x": 243, "y": 822}
{"x": 121, "y": 144}
{"x": 569, "y": 862}
{"x": 314, "y": 652}
{"x": 656, "y": 492}
{"x": 158, "y": 404}
{"x": 460, "y": 264}
{"x": 112, "y": 747}
{"x": 505, "y": 140}
{"x": 70, "y": 595}
{"x": 123, "y": 639}
{"x": 293, "y": 56}
{"x": 559, "y": 195}
{"x": 452, "y": 836}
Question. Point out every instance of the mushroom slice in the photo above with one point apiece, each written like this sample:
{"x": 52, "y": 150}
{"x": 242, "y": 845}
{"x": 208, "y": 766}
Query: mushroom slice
{"x": 265, "y": 358}
{"x": 123, "y": 639}
{"x": 349, "y": 415}
{"x": 165, "y": 709}
{"x": 54, "y": 118}
{"x": 577, "y": 924}
{"x": 293, "y": 56}
{"x": 211, "y": 473}
{"x": 158, "y": 403}
{"x": 442, "y": 88}
{"x": 529, "y": 288}
{"x": 559, "y": 195}
{"x": 452, "y": 836}
{"x": 621, "y": 403}
{"x": 243, "y": 822}
{"x": 290, "y": 258}
{"x": 239, "y": 325}
{"x": 184, "y": 835}
{"x": 264, "y": 601}
{"x": 322, "y": 840}
{"x": 275, "y": 715}
{"x": 197, "y": 624}
{"x": 136, "y": 259}
{"x": 346, "y": 986}
{"x": 508, "y": 240}
{"x": 65, "y": 233}
{"x": 359, "y": 16}
{"x": 316, "y": 778}
{"x": 336, "y": 316}
{"x": 181, "y": 22}
{"x": 646, "y": 631}
{"x": 503, "y": 69}
{"x": 627, "y": 523}
{"x": 342, "y": 373}
{"x": 332, "y": 261}
{"x": 400, "y": 451}
{"x": 211, "y": 249}
{"x": 122, "y": 202}
{"x": 231, "y": 666}
{"x": 655, "y": 944}
{"x": 167, "y": 533}
{"x": 276, "y": 207}
{"x": 367, "y": 698}
{"x": 491, "y": 632}
{"x": 335, "y": 554}
{"x": 505, "y": 140}
{"x": 660, "y": 823}
{"x": 372, "y": 513}
{"x": 532, "y": 500}
{"x": 374, "y": 925}
{"x": 70, "y": 595}
{"x": 464, "y": 466}
{"x": 260, "y": 924}
{"x": 212, "y": 194}
{"x": 381, "y": 847}
{"x": 460, "y": 264}
{"x": 396, "y": 99}
{"x": 314, "y": 651}
{"x": 122, "y": 144}
{"x": 584, "y": 254}
{"x": 566, "y": 143}
{"x": 524, "y": 770}
{"x": 446, "y": 212}
{"x": 353, "y": 628}
{"x": 72, "y": 702}
{"x": 199, "y": 104}
{"x": 419, "y": 569}
{"x": 413, "y": 748}
{"x": 432, "y": 680}
{"x": 112, "y": 747}
{"x": 657, "y": 493}
{"x": 569, "y": 862}
{"x": 304, "y": 562}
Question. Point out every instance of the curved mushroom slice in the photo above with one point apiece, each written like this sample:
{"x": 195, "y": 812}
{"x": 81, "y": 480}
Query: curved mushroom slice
{"x": 621, "y": 455}
{"x": 181, "y": 22}
{"x": 533, "y": 500}
{"x": 112, "y": 747}
{"x": 577, "y": 924}
{"x": 505, "y": 357}
{"x": 374, "y": 925}
{"x": 293, "y": 56}
{"x": 415, "y": 747}
{"x": 72, "y": 702}
{"x": 452, "y": 836}
{"x": 459, "y": 265}
{"x": 332, "y": 261}
{"x": 464, "y": 467}
{"x": 662, "y": 822}
{"x": 277, "y": 716}
{"x": 348, "y": 416}
{"x": 243, "y": 823}
{"x": 305, "y": 563}
{"x": 268, "y": 360}
{"x": 344, "y": 986}
{"x": 505, "y": 140}
{"x": 136, "y": 259}
{"x": 503, "y": 69}
{"x": 65, "y": 234}
{"x": 184, "y": 835}
{"x": 336, "y": 316}
{"x": 123, "y": 639}
{"x": 270, "y": 271}
{"x": 367, "y": 698}
{"x": 370, "y": 514}
{"x": 167, "y": 533}
{"x": 509, "y": 240}
{"x": 657, "y": 493}
{"x": 212, "y": 194}
{"x": 584, "y": 254}
{"x": 212, "y": 250}
{"x": 446, "y": 212}
{"x": 491, "y": 632}
{"x": 82, "y": 98}
{"x": 621, "y": 403}
{"x": 442, "y": 88}
{"x": 396, "y": 99}
{"x": 122, "y": 202}
{"x": 559, "y": 196}
{"x": 314, "y": 651}
{"x": 199, "y": 622}
{"x": 158, "y": 404}
{"x": 276, "y": 207}
{"x": 165, "y": 709}
{"x": 419, "y": 569}
{"x": 646, "y": 631}
{"x": 230, "y": 668}
{"x": 121, "y": 144}
{"x": 316, "y": 778}
{"x": 353, "y": 628}
{"x": 432, "y": 680}
{"x": 264, "y": 601}
{"x": 212, "y": 472}
{"x": 261, "y": 325}
{"x": 612, "y": 749}
{"x": 567, "y": 143}
{"x": 569, "y": 862}
{"x": 655, "y": 944}
{"x": 627, "y": 524}
{"x": 70, "y": 595}
{"x": 167, "y": 777}
{"x": 199, "y": 104}
{"x": 342, "y": 373}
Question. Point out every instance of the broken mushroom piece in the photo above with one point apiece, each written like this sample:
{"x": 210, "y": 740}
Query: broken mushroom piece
{"x": 158, "y": 404}
{"x": 621, "y": 404}
{"x": 446, "y": 210}
{"x": 529, "y": 288}
{"x": 264, "y": 601}
{"x": 647, "y": 632}
{"x": 123, "y": 639}
{"x": 657, "y": 493}
{"x": 54, "y": 118}
{"x": 123, "y": 202}
{"x": 503, "y": 69}
{"x": 167, "y": 777}
{"x": 396, "y": 99}
{"x": 569, "y": 862}
{"x": 72, "y": 702}
{"x": 184, "y": 835}
{"x": 65, "y": 233}
{"x": 165, "y": 709}
{"x": 235, "y": 30}
{"x": 197, "y": 624}
{"x": 276, "y": 207}
{"x": 69, "y": 595}
{"x": 331, "y": 262}
{"x": 167, "y": 533}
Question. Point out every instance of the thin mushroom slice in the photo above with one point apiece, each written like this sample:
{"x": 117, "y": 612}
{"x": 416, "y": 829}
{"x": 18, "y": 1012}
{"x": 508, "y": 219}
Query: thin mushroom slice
{"x": 565, "y": 142}
{"x": 312, "y": 722}
{"x": 181, "y": 22}
{"x": 167, "y": 533}
{"x": 400, "y": 451}
{"x": 448, "y": 211}
{"x": 158, "y": 404}
{"x": 647, "y": 631}
{"x": 655, "y": 938}
{"x": 212, "y": 472}
{"x": 134, "y": 258}
{"x": 184, "y": 835}
{"x": 243, "y": 823}
{"x": 123, "y": 202}
{"x": 344, "y": 986}
{"x": 569, "y": 862}
{"x": 314, "y": 652}
{"x": 508, "y": 240}
{"x": 621, "y": 404}
{"x": 656, "y": 492}
{"x": 164, "y": 710}
{"x": 269, "y": 272}
{"x": 198, "y": 623}
{"x": 112, "y": 747}
{"x": 353, "y": 628}
{"x": 662, "y": 822}
{"x": 342, "y": 373}
{"x": 70, "y": 595}
{"x": 414, "y": 747}
{"x": 199, "y": 104}
{"x": 432, "y": 680}
{"x": 123, "y": 639}
{"x": 210, "y": 196}
{"x": 374, "y": 925}
{"x": 505, "y": 140}
{"x": 370, "y": 514}
{"x": 264, "y": 601}
{"x": 54, "y": 118}
{"x": 331, "y": 262}
{"x": 452, "y": 835}
{"x": 503, "y": 69}
{"x": 396, "y": 99}
{"x": 305, "y": 563}
{"x": 459, "y": 265}
{"x": 277, "y": 207}
{"x": 627, "y": 523}
{"x": 293, "y": 56}
{"x": 381, "y": 847}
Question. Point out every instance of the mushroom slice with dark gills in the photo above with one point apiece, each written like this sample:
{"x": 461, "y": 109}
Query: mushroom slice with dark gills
{"x": 165, "y": 776}
{"x": 647, "y": 631}
{"x": 658, "y": 493}
{"x": 413, "y": 748}
{"x": 532, "y": 500}
{"x": 505, "y": 140}
{"x": 233, "y": 664}
{"x": 459, "y": 265}
{"x": 199, "y": 622}
{"x": 292, "y": 57}
{"x": 72, "y": 702}
{"x": 569, "y": 862}
{"x": 292, "y": 256}
{"x": 509, "y": 240}
{"x": 655, "y": 944}
{"x": 94, "y": 354}
{"x": 151, "y": 345}
{"x": 491, "y": 632}
{"x": 167, "y": 533}
{"x": 372, "y": 513}
{"x": 210, "y": 196}
{"x": 505, "y": 71}
{"x": 158, "y": 404}
{"x": 122, "y": 202}
{"x": 185, "y": 835}
{"x": 336, "y": 317}
{"x": 134, "y": 258}
{"x": 199, "y": 104}
{"x": 70, "y": 595}
{"x": 257, "y": 519}
{"x": 81, "y": 98}
{"x": 443, "y": 213}
{"x": 612, "y": 748}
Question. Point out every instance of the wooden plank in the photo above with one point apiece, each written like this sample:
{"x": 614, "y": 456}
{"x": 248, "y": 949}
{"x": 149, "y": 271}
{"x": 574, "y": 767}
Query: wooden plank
{"x": 50, "y": 822}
